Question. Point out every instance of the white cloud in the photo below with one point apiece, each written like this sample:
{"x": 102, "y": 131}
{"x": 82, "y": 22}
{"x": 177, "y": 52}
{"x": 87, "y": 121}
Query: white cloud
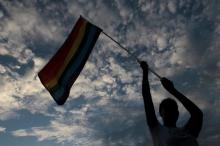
{"x": 25, "y": 93}
{"x": 172, "y": 6}
{"x": 120, "y": 72}
{"x": 59, "y": 132}
{"x": 9, "y": 104}
{"x": 27, "y": 22}
{"x": 161, "y": 42}
{"x": 2, "y": 129}
{"x": 1, "y": 14}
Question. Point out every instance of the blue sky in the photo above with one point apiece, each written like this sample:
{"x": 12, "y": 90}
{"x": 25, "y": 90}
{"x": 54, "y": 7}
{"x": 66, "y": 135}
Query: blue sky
{"x": 179, "y": 39}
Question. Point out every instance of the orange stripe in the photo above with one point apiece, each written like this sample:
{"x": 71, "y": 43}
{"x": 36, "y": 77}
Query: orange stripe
{"x": 72, "y": 52}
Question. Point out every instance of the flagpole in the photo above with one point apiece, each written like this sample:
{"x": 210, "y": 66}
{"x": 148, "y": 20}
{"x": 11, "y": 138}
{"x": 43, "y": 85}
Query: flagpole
{"x": 135, "y": 57}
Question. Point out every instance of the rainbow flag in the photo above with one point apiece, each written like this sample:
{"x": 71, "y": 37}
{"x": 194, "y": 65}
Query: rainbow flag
{"x": 62, "y": 70}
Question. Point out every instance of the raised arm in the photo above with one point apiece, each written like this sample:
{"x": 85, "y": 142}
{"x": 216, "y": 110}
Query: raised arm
{"x": 194, "y": 124}
{"x": 148, "y": 103}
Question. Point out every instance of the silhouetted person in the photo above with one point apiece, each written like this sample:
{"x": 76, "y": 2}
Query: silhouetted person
{"x": 169, "y": 134}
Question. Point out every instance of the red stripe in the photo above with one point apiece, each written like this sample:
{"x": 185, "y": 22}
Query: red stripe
{"x": 53, "y": 66}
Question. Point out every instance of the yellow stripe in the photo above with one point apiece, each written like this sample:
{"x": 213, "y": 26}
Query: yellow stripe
{"x": 72, "y": 52}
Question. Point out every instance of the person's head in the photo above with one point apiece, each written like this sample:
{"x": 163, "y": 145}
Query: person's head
{"x": 169, "y": 112}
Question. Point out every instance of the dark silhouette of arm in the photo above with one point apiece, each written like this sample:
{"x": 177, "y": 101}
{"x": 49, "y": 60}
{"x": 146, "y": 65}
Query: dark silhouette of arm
{"x": 194, "y": 124}
{"x": 148, "y": 103}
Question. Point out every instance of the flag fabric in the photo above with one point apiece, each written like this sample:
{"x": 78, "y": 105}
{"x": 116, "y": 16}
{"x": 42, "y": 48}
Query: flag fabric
{"x": 59, "y": 74}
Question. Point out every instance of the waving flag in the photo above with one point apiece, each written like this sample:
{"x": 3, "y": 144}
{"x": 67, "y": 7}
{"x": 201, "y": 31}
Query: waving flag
{"x": 62, "y": 70}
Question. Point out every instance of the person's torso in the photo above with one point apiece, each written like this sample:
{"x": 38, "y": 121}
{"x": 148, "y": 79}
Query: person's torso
{"x": 163, "y": 136}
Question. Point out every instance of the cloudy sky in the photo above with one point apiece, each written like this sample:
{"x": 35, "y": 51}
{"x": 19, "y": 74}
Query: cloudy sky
{"x": 179, "y": 39}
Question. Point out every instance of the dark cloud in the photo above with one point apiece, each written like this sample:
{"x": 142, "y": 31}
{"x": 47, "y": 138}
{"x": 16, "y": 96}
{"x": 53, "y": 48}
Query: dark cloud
{"x": 14, "y": 65}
